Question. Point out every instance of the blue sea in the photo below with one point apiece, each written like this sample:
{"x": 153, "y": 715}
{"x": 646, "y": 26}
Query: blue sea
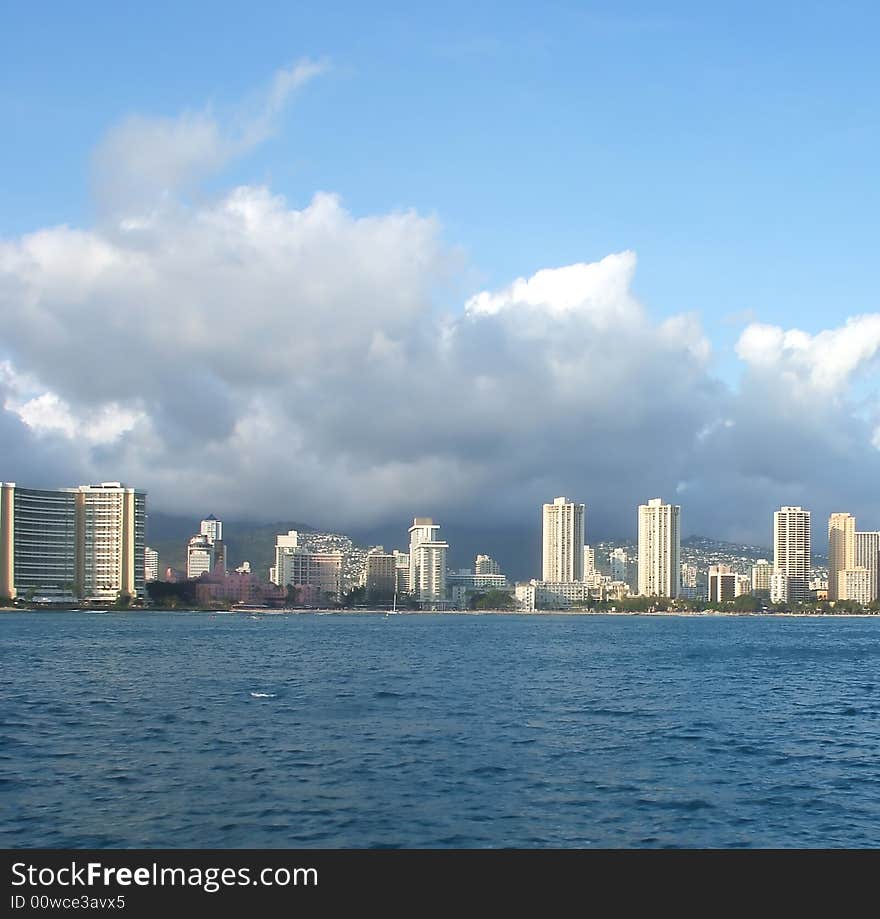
{"x": 305, "y": 730}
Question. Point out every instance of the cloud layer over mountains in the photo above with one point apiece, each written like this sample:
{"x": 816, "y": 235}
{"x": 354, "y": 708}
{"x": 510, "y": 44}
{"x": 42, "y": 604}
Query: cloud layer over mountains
{"x": 238, "y": 355}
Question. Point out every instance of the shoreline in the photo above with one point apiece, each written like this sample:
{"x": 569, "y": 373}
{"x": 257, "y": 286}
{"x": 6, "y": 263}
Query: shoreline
{"x": 689, "y": 614}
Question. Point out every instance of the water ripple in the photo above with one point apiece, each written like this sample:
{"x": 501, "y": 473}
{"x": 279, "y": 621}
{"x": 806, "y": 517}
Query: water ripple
{"x": 162, "y": 730}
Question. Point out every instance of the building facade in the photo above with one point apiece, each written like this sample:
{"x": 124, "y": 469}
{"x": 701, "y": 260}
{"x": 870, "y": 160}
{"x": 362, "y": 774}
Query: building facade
{"x": 619, "y": 562}
{"x": 485, "y": 564}
{"x": 206, "y": 551}
{"x": 199, "y": 557}
{"x": 380, "y": 581}
{"x": 72, "y": 543}
{"x": 220, "y": 587}
{"x": 841, "y": 551}
{"x": 151, "y": 565}
{"x": 855, "y": 584}
{"x": 549, "y": 595}
{"x": 868, "y": 556}
{"x": 427, "y": 564}
{"x": 778, "y": 587}
{"x": 316, "y": 576}
{"x": 589, "y": 562}
{"x": 462, "y": 586}
{"x": 563, "y": 543}
{"x": 722, "y": 584}
{"x": 761, "y": 573}
{"x": 792, "y": 551}
{"x": 38, "y": 547}
{"x": 110, "y": 541}
{"x": 659, "y": 549}
{"x": 401, "y": 572}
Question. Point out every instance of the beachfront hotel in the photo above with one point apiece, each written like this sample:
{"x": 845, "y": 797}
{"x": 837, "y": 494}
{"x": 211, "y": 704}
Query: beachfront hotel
{"x": 72, "y": 543}
{"x": 427, "y": 563}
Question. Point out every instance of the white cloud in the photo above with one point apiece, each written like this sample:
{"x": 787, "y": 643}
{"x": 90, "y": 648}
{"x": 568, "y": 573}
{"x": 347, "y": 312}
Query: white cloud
{"x": 826, "y": 362}
{"x": 144, "y": 161}
{"x": 44, "y": 412}
{"x": 252, "y": 357}
{"x": 599, "y": 290}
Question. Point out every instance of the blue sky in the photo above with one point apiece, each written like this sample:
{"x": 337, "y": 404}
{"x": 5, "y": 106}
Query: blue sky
{"x": 731, "y": 147}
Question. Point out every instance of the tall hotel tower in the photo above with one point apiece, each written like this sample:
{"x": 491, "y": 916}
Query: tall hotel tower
{"x": 791, "y": 550}
{"x": 427, "y": 563}
{"x": 563, "y": 541}
{"x": 659, "y": 549}
{"x": 841, "y": 550}
{"x": 83, "y": 542}
{"x": 868, "y": 556}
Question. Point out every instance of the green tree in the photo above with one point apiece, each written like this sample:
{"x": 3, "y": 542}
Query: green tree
{"x": 294, "y": 594}
{"x": 492, "y": 599}
{"x": 172, "y": 595}
{"x": 123, "y": 601}
{"x": 746, "y": 603}
{"x": 354, "y": 597}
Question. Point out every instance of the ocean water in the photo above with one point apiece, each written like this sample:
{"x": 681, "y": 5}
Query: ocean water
{"x": 199, "y": 730}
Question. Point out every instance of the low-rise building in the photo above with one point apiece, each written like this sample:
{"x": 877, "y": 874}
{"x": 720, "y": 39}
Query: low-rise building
{"x": 855, "y": 584}
{"x": 237, "y": 587}
{"x": 465, "y": 584}
{"x": 535, "y": 595}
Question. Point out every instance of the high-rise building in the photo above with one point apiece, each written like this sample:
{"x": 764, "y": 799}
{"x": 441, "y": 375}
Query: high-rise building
{"x": 151, "y": 565}
{"x": 841, "y": 551}
{"x": 563, "y": 541}
{"x": 85, "y": 542}
{"x": 401, "y": 572}
{"x": 868, "y": 556}
{"x": 619, "y": 563}
{"x": 688, "y": 575}
{"x": 722, "y": 583}
{"x": 762, "y": 570}
{"x": 855, "y": 584}
{"x": 485, "y": 564}
{"x": 659, "y": 549}
{"x": 688, "y": 588}
{"x": 317, "y": 575}
{"x": 589, "y": 562}
{"x": 212, "y": 528}
{"x": 427, "y": 563}
{"x": 38, "y": 545}
{"x": 199, "y": 557}
{"x": 110, "y": 536}
{"x": 792, "y": 553}
{"x": 206, "y": 551}
{"x": 778, "y": 587}
{"x": 380, "y": 576}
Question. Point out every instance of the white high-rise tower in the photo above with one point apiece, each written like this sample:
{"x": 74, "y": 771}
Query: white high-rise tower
{"x": 791, "y": 550}
{"x": 868, "y": 556}
{"x": 659, "y": 549}
{"x": 427, "y": 563}
{"x": 563, "y": 541}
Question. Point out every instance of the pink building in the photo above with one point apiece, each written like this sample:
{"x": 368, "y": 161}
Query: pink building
{"x": 237, "y": 587}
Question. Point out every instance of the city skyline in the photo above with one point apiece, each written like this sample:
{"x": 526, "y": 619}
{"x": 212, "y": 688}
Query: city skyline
{"x": 89, "y": 542}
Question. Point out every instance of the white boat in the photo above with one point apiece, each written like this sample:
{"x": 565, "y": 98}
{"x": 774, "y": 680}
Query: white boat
{"x": 393, "y": 611}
